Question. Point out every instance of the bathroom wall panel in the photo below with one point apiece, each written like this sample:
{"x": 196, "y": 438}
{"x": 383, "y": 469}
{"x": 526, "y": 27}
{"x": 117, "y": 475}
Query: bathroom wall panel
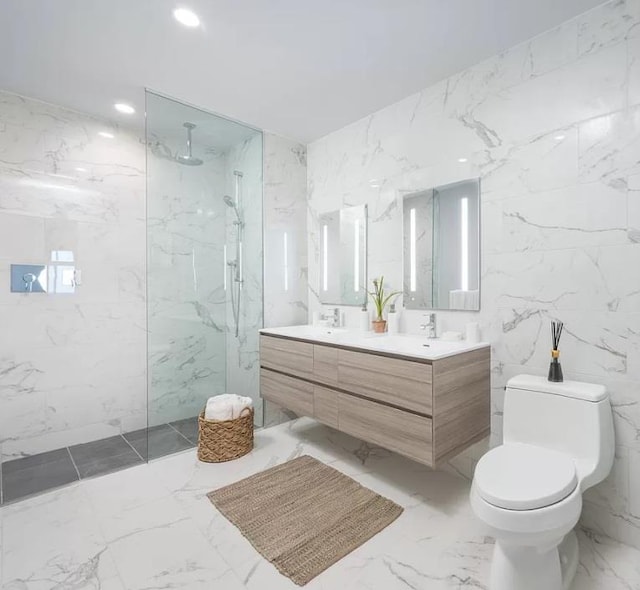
{"x": 285, "y": 242}
{"x": 72, "y": 367}
{"x": 552, "y": 129}
{"x": 285, "y": 239}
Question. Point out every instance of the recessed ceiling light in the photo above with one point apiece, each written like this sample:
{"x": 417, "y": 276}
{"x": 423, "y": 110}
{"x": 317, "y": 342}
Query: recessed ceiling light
{"x": 106, "y": 134}
{"x": 462, "y": 160}
{"x": 79, "y": 169}
{"x": 186, "y": 17}
{"x": 374, "y": 183}
{"x": 559, "y": 137}
{"x": 125, "y": 109}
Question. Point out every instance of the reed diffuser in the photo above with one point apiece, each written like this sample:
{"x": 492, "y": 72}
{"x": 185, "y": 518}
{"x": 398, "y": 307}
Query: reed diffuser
{"x": 555, "y": 368}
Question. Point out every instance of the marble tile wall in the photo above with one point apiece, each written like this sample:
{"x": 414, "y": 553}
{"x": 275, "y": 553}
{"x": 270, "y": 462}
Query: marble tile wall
{"x": 552, "y": 127}
{"x": 285, "y": 241}
{"x": 64, "y": 187}
{"x": 285, "y": 219}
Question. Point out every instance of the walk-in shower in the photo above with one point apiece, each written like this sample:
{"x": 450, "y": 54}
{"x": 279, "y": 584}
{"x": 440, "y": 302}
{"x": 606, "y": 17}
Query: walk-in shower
{"x": 204, "y": 263}
{"x": 110, "y": 366}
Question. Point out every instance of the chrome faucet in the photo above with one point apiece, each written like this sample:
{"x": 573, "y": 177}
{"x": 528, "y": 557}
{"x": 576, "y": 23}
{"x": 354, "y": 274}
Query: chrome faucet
{"x": 430, "y": 325}
{"x": 332, "y": 317}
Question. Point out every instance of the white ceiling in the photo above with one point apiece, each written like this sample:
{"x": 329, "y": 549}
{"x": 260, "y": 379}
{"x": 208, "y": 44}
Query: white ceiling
{"x": 300, "y": 68}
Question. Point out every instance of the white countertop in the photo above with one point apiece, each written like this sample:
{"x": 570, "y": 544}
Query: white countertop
{"x": 405, "y": 345}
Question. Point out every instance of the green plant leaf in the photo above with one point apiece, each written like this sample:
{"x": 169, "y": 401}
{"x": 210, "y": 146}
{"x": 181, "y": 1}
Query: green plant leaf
{"x": 389, "y": 297}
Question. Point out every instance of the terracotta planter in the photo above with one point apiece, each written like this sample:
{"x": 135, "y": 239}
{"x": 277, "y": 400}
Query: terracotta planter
{"x": 379, "y": 326}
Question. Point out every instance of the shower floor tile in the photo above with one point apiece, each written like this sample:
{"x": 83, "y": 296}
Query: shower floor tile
{"x": 104, "y": 456}
{"x": 36, "y": 474}
{"x": 21, "y": 478}
{"x": 187, "y": 428}
{"x": 161, "y": 440}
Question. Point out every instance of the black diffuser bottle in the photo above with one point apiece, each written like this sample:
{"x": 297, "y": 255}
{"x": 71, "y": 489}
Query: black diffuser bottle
{"x": 555, "y": 368}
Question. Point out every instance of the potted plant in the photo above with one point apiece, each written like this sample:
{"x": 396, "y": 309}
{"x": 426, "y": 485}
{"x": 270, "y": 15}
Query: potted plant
{"x": 380, "y": 300}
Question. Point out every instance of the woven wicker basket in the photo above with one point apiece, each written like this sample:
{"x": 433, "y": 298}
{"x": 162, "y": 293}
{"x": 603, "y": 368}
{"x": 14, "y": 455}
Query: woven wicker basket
{"x": 226, "y": 440}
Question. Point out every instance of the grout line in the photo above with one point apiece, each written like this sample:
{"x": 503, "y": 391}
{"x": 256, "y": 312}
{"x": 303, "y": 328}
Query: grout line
{"x": 180, "y": 433}
{"x": 134, "y": 449}
{"x": 74, "y": 463}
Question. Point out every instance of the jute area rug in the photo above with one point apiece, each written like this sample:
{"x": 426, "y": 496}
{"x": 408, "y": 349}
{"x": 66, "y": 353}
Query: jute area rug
{"x": 303, "y": 516}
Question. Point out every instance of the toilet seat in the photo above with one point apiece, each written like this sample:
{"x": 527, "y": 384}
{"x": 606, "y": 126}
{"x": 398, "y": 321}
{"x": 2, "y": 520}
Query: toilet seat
{"x": 518, "y": 476}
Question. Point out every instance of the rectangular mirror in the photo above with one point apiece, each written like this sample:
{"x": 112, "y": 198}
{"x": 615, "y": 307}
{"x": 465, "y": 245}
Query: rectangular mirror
{"x": 442, "y": 247}
{"x": 343, "y": 256}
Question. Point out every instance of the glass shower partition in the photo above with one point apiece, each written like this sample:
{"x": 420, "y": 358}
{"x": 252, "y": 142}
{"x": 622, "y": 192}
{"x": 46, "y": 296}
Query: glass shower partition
{"x": 204, "y": 266}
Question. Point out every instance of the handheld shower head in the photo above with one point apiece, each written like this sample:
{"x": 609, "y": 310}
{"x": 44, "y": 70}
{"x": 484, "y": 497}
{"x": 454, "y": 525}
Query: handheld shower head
{"x": 229, "y": 202}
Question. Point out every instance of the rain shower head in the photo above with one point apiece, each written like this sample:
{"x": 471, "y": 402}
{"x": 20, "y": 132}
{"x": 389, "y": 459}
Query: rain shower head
{"x": 189, "y": 159}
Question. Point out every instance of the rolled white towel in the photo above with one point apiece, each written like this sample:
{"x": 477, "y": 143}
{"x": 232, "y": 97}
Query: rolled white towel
{"x": 240, "y": 405}
{"x": 222, "y": 397}
{"x": 219, "y": 412}
{"x": 219, "y": 408}
{"x": 227, "y": 406}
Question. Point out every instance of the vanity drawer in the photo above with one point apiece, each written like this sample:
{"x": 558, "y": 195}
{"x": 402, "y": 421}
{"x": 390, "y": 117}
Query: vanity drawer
{"x": 288, "y": 392}
{"x": 325, "y": 406}
{"x": 288, "y": 356}
{"x": 325, "y": 364}
{"x": 403, "y": 383}
{"x": 403, "y": 432}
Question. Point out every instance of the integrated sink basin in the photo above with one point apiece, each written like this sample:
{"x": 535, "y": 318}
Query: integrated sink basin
{"x": 405, "y": 345}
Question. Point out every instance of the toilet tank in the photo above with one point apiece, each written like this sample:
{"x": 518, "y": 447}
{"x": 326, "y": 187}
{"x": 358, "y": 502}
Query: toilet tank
{"x": 571, "y": 417}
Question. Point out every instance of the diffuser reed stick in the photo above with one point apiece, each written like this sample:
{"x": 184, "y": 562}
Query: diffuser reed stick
{"x": 555, "y": 369}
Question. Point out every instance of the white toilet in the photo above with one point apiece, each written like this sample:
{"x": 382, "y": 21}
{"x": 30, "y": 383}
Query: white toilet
{"x": 558, "y": 441}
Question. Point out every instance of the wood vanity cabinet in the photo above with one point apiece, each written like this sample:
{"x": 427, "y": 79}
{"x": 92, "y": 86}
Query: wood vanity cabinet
{"x": 427, "y": 410}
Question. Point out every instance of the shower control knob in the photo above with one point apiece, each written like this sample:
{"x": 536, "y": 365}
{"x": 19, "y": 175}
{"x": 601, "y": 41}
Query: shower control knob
{"x": 29, "y": 278}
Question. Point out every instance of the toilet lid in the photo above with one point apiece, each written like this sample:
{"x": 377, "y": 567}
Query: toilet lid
{"x": 517, "y": 476}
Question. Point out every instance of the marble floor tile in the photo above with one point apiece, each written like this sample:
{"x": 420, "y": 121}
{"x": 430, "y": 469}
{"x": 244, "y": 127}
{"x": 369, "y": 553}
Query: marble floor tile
{"x": 172, "y": 555}
{"x": 152, "y": 527}
{"x": 53, "y": 541}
